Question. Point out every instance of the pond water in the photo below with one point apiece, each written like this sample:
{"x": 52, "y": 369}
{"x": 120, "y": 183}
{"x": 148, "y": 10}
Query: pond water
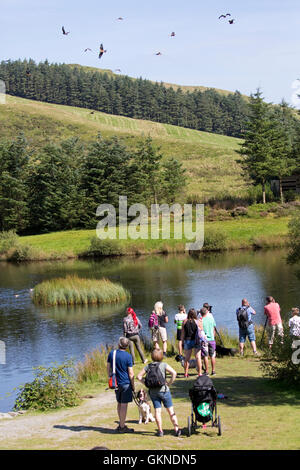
{"x": 34, "y": 335}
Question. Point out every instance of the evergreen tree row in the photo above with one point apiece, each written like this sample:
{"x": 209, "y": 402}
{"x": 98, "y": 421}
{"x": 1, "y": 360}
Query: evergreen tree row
{"x": 61, "y": 185}
{"x": 121, "y": 95}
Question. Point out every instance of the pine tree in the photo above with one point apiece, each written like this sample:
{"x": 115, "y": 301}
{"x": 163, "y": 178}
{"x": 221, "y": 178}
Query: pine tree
{"x": 263, "y": 145}
{"x": 14, "y": 157}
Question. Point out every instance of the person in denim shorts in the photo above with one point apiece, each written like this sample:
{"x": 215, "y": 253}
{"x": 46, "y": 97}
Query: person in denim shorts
{"x": 188, "y": 336}
{"x": 249, "y": 331}
{"x": 162, "y": 395}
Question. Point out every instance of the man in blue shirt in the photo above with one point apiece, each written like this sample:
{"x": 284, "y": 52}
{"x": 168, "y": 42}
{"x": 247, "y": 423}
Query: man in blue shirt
{"x": 125, "y": 381}
{"x": 246, "y": 326}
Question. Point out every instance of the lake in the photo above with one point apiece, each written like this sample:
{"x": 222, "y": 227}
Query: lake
{"x": 36, "y": 335}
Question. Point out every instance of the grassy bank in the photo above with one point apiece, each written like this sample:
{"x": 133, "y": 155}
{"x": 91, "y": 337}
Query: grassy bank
{"x": 257, "y": 413}
{"x": 220, "y": 235}
{"x": 73, "y": 290}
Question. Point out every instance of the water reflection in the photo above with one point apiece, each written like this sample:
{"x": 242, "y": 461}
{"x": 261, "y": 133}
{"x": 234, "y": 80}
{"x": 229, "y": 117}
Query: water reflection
{"x": 35, "y": 335}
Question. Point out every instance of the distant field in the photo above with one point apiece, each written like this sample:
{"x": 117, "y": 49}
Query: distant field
{"x": 210, "y": 159}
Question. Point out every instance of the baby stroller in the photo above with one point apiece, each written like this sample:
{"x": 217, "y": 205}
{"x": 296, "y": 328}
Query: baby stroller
{"x": 203, "y": 396}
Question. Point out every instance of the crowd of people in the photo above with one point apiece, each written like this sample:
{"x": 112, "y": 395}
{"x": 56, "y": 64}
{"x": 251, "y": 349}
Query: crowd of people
{"x": 195, "y": 332}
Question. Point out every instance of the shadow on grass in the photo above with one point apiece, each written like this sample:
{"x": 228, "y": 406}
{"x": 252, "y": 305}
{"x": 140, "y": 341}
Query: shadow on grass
{"x": 243, "y": 391}
{"x": 99, "y": 429}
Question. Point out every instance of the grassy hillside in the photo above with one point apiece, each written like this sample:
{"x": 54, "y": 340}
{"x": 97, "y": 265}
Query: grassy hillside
{"x": 210, "y": 159}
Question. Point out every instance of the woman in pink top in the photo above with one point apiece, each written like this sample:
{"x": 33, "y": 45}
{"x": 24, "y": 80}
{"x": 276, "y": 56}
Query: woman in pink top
{"x": 272, "y": 310}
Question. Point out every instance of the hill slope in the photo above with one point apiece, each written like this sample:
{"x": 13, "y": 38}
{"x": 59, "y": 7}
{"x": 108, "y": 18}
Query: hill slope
{"x": 210, "y": 159}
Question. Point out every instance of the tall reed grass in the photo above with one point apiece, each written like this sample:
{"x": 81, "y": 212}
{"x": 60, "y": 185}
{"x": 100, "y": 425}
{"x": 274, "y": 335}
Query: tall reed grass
{"x": 73, "y": 290}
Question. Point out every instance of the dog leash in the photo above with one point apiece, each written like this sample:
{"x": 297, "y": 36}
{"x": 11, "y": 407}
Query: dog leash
{"x": 135, "y": 399}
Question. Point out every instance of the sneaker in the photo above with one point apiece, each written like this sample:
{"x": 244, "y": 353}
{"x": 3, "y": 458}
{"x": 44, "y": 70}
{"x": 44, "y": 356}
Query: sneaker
{"x": 205, "y": 373}
{"x": 186, "y": 376}
{"x": 213, "y": 373}
{"x": 145, "y": 361}
{"x": 160, "y": 434}
{"x": 178, "y": 433}
{"x": 125, "y": 429}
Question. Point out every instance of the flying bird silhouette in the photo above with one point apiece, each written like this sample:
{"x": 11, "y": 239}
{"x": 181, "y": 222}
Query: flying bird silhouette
{"x": 231, "y": 21}
{"x": 158, "y": 53}
{"x": 120, "y": 18}
{"x": 101, "y": 51}
{"x": 172, "y": 34}
{"x": 64, "y": 31}
{"x": 224, "y": 16}
{"x": 87, "y": 49}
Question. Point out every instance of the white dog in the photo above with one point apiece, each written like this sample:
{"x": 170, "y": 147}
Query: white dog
{"x": 144, "y": 407}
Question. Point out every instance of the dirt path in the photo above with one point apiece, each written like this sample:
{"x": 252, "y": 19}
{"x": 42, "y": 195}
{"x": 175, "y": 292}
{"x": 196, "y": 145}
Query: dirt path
{"x": 57, "y": 425}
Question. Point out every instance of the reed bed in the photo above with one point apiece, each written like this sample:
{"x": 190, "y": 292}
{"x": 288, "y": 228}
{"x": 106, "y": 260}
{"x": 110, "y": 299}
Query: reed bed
{"x": 73, "y": 290}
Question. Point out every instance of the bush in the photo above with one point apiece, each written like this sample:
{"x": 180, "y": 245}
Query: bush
{"x": 104, "y": 248}
{"x": 281, "y": 362}
{"x": 8, "y": 240}
{"x": 215, "y": 240}
{"x": 23, "y": 253}
{"x": 53, "y": 387}
{"x": 239, "y": 211}
{"x": 290, "y": 196}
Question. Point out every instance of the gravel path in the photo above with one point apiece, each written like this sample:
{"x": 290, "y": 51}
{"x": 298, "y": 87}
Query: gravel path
{"x": 56, "y": 425}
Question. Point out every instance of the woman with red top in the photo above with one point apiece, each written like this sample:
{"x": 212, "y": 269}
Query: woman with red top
{"x": 131, "y": 328}
{"x": 272, "y": 311}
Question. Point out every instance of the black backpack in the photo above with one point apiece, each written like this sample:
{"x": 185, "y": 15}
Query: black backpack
{"x": 154, "y": 377}
{"x": 242, "y": 318}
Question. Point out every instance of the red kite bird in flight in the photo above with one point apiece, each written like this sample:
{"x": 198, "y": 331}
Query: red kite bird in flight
{"x": 224, "y": 16}
{"x": 101, "y": 51}
{"x": 64, "y": 31}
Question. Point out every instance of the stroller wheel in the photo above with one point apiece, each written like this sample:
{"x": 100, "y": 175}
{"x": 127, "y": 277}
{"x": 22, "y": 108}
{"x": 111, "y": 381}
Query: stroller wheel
{"x": 219, "y": 427}
{"x": 189, "y": 426}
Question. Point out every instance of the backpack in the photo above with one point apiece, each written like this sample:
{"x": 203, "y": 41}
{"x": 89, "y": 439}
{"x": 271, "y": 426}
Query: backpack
{"x": 154, "y": 376}
{"x": 242, "y": 318}
{"x": 153, "y": 320}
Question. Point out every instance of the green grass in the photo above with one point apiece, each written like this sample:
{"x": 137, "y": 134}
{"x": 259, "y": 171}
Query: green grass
{"x": 210, "y": 159}
{"x": 73, "y": 290}
{"x": 240, "y": 233}
{"x": 258, "y": 414}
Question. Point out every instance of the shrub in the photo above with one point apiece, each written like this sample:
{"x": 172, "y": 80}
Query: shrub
{"x": 104, "y": 248}
{"x": 8, "y": 240}
{"x": 23, "y": 253}
{"x": 282, "y": 362}
{"x": 215, "y": 240}
{"x": 239, "y": 211}
{"x": 290, "y": 196}
{"x": 53, "y": 387}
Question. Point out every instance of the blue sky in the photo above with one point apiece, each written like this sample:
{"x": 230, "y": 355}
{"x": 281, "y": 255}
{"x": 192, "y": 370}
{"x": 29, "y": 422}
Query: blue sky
{"x": 261, "y": 49}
